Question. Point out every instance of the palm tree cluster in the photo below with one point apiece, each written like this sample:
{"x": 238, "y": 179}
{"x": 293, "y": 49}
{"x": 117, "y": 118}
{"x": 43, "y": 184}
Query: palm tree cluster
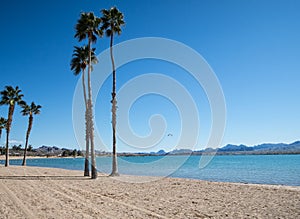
{"x": 90, "y": 27}
{"x": 13, "y": 96}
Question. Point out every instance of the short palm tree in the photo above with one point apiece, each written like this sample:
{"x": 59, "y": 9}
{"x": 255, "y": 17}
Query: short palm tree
{"x": 79, "y": 63}
{"x": 10, "y": 96}
{"x": 29, "y": 110}
{"x": 112, "y": 21}
{"x": 3, "y": 122}
{"x": 87, "y": 27}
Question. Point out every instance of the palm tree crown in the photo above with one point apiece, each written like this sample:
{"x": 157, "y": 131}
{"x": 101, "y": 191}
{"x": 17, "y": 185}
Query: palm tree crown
{"x": 31, "y": 109}
{"x": 112, "y": 21}
{"x": 80, "y": 59}
{"x": 11, "y": 96}
{"x": 88, "y": 27}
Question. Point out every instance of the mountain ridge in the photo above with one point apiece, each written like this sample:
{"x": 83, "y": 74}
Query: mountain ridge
{"x": 264, "y": 148}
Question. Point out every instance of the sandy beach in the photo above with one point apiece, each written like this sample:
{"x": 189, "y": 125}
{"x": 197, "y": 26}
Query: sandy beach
{"x": 31, "y": 192}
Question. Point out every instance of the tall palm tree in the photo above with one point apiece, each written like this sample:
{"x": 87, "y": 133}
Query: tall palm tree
{"x": 29, "y": 110}
{"x": 87, "y": 27}
{"x": 10, "y": 96}
{"x": 79, "y": 63}
{"x": 3, "y": 122}
{"x": 112, "y": 21}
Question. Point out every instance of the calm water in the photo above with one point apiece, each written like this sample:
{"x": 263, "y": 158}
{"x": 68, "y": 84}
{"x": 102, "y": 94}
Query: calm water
{"x": 261, "y": 169}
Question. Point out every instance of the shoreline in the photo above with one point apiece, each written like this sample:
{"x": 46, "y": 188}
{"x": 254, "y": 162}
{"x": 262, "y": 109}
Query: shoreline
{"x": 14, "y": 157}
{"x": 68, "y": 167}
{"x": 140, "y": 178}
{"x": 38, "y": 192}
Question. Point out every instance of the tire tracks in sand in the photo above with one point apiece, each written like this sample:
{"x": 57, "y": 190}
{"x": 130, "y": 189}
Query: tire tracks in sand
{"x": 108, "y": 201}
{"x": 86, "y": 203}
{"x": 21, "y": 206}
{"x": 39, "y": 204}
{"x": 114, "y": 201}
{"x": 78, "y": 203}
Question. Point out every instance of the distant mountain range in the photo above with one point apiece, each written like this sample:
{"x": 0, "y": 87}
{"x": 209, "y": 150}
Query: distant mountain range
{"x": 266, "y": 148}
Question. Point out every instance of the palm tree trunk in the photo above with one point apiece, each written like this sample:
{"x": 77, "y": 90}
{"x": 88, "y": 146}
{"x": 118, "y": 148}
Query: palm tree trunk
{"x": 87, "y": 136}
{"x": 87, "y": 144}
{"x": 114, "y": 112}
{"x": 8, "y": 126}
{"x": 83, "y": 87}
{"x": 0, "y": 133}
{"x": 27, "y": 137}
{"x": 91, "y": 133}
{"x": 7, "y": 150}
{"x": 90, "y": 112}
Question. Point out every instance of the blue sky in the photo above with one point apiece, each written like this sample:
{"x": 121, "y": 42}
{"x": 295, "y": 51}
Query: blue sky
{"x": 252, "y": 46}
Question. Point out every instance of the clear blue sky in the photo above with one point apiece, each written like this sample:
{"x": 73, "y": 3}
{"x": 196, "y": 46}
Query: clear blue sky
{"x": 252, "y": 46}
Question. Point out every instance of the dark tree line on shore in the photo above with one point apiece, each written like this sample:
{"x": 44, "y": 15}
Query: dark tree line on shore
{"x": 18, "y": 150}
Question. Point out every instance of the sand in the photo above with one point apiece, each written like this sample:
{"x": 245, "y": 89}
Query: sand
{"x": 31, "y": 192}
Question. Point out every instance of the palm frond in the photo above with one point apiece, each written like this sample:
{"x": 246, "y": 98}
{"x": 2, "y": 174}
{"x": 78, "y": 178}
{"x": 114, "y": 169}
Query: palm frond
{"x": 11, "y": 96}
{"x": 88, "y": 27}
{"x": 3, "y": 123}
{"x": 80, "y": 59}
{"x": 112, "y": 20}
{"x": 31, "y": 109}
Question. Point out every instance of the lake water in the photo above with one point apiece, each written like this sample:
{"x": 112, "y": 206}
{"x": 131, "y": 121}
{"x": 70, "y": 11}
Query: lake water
{"x": 260, "y": 169}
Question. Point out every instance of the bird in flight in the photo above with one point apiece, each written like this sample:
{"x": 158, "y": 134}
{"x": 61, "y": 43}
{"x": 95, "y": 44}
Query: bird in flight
{"x": 170, "y": 135}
